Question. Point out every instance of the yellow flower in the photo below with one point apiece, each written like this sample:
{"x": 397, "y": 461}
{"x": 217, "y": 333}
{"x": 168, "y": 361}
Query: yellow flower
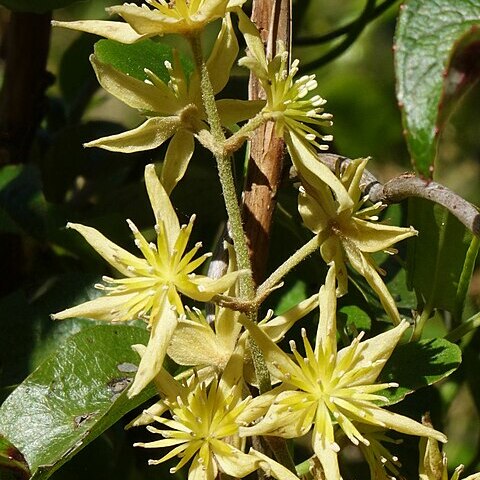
{"x": 288, "y": 101}
{"x": 329, "y": 388}
{"x": 151, "y": 285}
{"x": 173, "y": 110}
{"x": 203, "y": 427}
{"x": 346, "y": 227}
{"x": 159, "y": 17}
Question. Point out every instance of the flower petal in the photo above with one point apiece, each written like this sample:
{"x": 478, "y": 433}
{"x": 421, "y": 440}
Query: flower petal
{"x": 233, "y": 111}
{"x": 134, "y": 92}
{"x": 146, "y": 21}
{"x": 374, "y": 237}
{"x": 150, "y": 134}
{"x": 365, "y": 266}
{"x": 279, "y": 326}
{"x": 234, "y": 463}
{"x": 223, "y": 56}
{"x": 325, "y": 452}
{"x": 161, "y": 205}
{"x": 99, "y": 309}
{"x": 327, "y": 325}
{"x": 406, "y": 425}
{"x": 255, "y": 46}
{"x": 118, "y": 31}
{"x": 179, "y": 152}
{"x": 163, "y": 326}
{"x": 116, "y": 256}
{"x": 196, "y": 344}
{"x": 314, "y": 171}
{"x": 377, "y": 348}
{"x": 273, "y": 468}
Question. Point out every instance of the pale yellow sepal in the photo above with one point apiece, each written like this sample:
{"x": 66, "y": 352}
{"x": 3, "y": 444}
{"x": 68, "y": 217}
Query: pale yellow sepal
{"x": 118, "y": 31}
{"x": 147, "y": 97}
{"x": 149, "y": 135}
{"x": 223, "y": 56}
{"x": 152, "y": 359}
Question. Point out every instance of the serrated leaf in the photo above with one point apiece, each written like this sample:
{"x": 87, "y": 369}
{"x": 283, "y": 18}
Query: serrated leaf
{"x": 437, "y": 256}
{"x": 73, "y": 397}
{"x": 419, "y": 364}
{"x": 133, "y": 59}
{"x": 428, "y": 33}
{"x": 12, "y": 463}
{"x": 35, "y": 6}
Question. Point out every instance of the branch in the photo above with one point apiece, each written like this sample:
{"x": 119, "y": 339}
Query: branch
{"x": 409, "y": 185}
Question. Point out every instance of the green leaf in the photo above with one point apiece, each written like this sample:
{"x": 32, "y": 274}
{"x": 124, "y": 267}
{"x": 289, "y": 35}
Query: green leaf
{"x": 133, "y": 59}
{"x": 428, "y": 34}
{"x": 12, "y": 464}
{"x": 291, "y": 296}
{"x": 35, "y": 6}
{"x": 437, "y": 256}
{"x": 352, "y": 315}
{"x": 418, "y": 364}
{"x": 73, "y": 396}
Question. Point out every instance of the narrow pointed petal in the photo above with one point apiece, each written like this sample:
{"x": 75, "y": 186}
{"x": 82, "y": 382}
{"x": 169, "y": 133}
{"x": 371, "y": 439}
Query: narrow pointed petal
{"x": 279, "y": 326}
{"x": 327, "y": 456}
{"x": 253, "y": 40}
{"x": 406, "y": 425}
{"x": 313, "y": 215}
{"x": 116, "y": 256}
{"x": 273, "y": 468}
{"x": 373, "y": 237}
{"x": 364, "y": 265}
{"x": 150, "y": 134}
{"x": 151, "y": 363}
{"x": 234, "y": 462}
{"x": 134, "y": 92}
{"x": 377, "y": 348}
{"x": 223, "y": 56}
{"x": 208, "y": 287}
{"x": 233, "y": 111}
{"x": 278, "y": 361}
{"x": 327, "y": 325}
{"x": 146, "y": 417}
{"x": 314, "y": 171}
{"x": 161, "y": 205}
{"x": 179, "y": 152}
{"x": 118, "y": 31}
{"x": 99, "y": 309}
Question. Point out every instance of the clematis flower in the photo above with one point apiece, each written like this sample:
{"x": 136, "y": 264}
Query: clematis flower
{"x": 203, "y": 427}
{"x": 156, "y": 18}
{"x": 173, "y": 110}
{"x": 287, "y": 99}
{"x": 330, "y": 388}
{"x": 348, "y": 229}
{"x": 151, "y": 285}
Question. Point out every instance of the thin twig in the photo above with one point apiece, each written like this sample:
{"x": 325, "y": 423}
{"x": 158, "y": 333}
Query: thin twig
{"x": 339, "y": 32}
{"x": 409, "y": 185}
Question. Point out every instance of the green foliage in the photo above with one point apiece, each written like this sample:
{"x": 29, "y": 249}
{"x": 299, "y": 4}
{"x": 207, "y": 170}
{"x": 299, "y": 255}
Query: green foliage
{"x": 428, "y": 34}
{"x": 73, "y": 396}
{"x": 134, "y": 59}
{"x": 418, "y": 364}
{"x": 437, "y": 256}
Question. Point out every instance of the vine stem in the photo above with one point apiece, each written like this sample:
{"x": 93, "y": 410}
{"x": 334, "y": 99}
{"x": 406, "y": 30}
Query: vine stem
{"x": 303, "y": 252}
{"x": 225, "y": 173}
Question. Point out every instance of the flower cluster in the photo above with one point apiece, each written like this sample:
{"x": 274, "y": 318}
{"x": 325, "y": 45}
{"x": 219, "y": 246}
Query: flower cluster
{"x": 206, "y": 415}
